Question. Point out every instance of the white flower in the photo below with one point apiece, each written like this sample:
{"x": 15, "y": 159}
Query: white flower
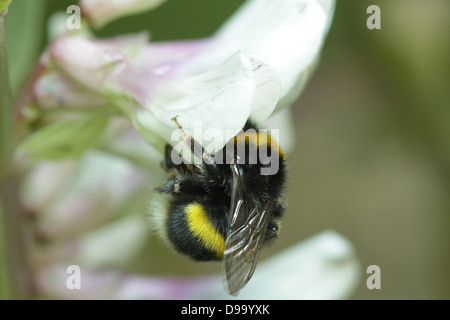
{"x": 256, "y": 62}
{"x": 322, "y": 267}
{"x": 73, "y": 196}
{"x": 90, "y": 92}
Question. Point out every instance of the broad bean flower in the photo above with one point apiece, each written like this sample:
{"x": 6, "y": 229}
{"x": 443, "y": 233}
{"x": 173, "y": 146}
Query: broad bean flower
{"x": 101, "y": 111}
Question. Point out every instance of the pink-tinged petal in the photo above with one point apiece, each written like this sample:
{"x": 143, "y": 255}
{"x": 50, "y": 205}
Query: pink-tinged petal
{"x": 52, "y": 280}
{"x": 85, "y": 68}
{"x": 96, "y": 193}
{"x": 322, "y": 267}
{"x": 116, "y": 285}
{"x": 168, "y": 288}
{"x": 53, "y": 90}
{"x": 76, "y": 195}
{"x": 36, "y": 195}
{"x": 182, "y": 58}
{"x": 114, "y": 244}
{"x": 216, "y": 100}
{"x": 130, "y": 45}
{"x": 87, "y": 62}
{"x": 101, "y": 12}
{"x": 286, "y": 38}
{"x": 205, "y": 81}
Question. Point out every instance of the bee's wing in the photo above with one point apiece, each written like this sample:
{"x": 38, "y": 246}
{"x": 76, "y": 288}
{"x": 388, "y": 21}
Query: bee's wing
{"x": 244, "y": 242}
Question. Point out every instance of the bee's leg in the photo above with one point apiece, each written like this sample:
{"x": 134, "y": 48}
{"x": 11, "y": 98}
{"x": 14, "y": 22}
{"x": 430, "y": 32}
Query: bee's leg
{"x": 168, "y": 164}
{"x": 168, "y": 187}
{"x": 186, "y": 184}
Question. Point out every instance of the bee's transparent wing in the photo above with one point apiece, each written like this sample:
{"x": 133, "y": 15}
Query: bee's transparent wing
{"x": 244, "y": 242}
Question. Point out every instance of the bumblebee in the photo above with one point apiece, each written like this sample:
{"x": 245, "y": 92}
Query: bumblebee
{"x": 222, "y": 207}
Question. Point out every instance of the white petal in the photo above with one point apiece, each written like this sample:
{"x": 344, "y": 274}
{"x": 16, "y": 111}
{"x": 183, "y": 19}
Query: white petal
{"x": 284, "y": 122}
{"x": 54, "y": 89}
{"x": 328, "y": 6}
{"x": 52, "y": 280}
{"x": 219, "y": 100}
{"x": 268, "y": 89}
{"x": 322, "y": 267}
{"x": 135, "y": 287}
{"x": 37, "y": 195}
{"x": 287, "y": 34}
{"x": 183, "y": 58}
{"x": 56, "y": 25}
{"x": 114, "y": 244}
{"x": 115, "y": 285}
{"x": 87, "y": 62}
{"x": 93, "y": 196}
{"x": 93, "y": 63}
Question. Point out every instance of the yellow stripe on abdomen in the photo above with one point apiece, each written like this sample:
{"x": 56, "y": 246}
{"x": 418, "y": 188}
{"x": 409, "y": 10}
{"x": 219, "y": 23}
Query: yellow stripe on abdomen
{"x": 260, "y": 139}
{"x": 204, "y": 230}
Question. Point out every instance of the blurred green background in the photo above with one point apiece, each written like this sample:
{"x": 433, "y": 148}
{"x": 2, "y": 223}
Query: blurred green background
{"x": 372, "y": 156}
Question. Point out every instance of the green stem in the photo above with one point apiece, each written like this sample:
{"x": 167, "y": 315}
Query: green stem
{"x": 15, "y": 281}
{"x": 5, "y": 101}
{"x": 5, "y": 151}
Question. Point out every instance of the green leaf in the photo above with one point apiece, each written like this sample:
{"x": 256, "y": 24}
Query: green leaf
{"x": 25, "y": 30}
{"x": 64, "y": 139}
{"x": 4, "y": 4}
